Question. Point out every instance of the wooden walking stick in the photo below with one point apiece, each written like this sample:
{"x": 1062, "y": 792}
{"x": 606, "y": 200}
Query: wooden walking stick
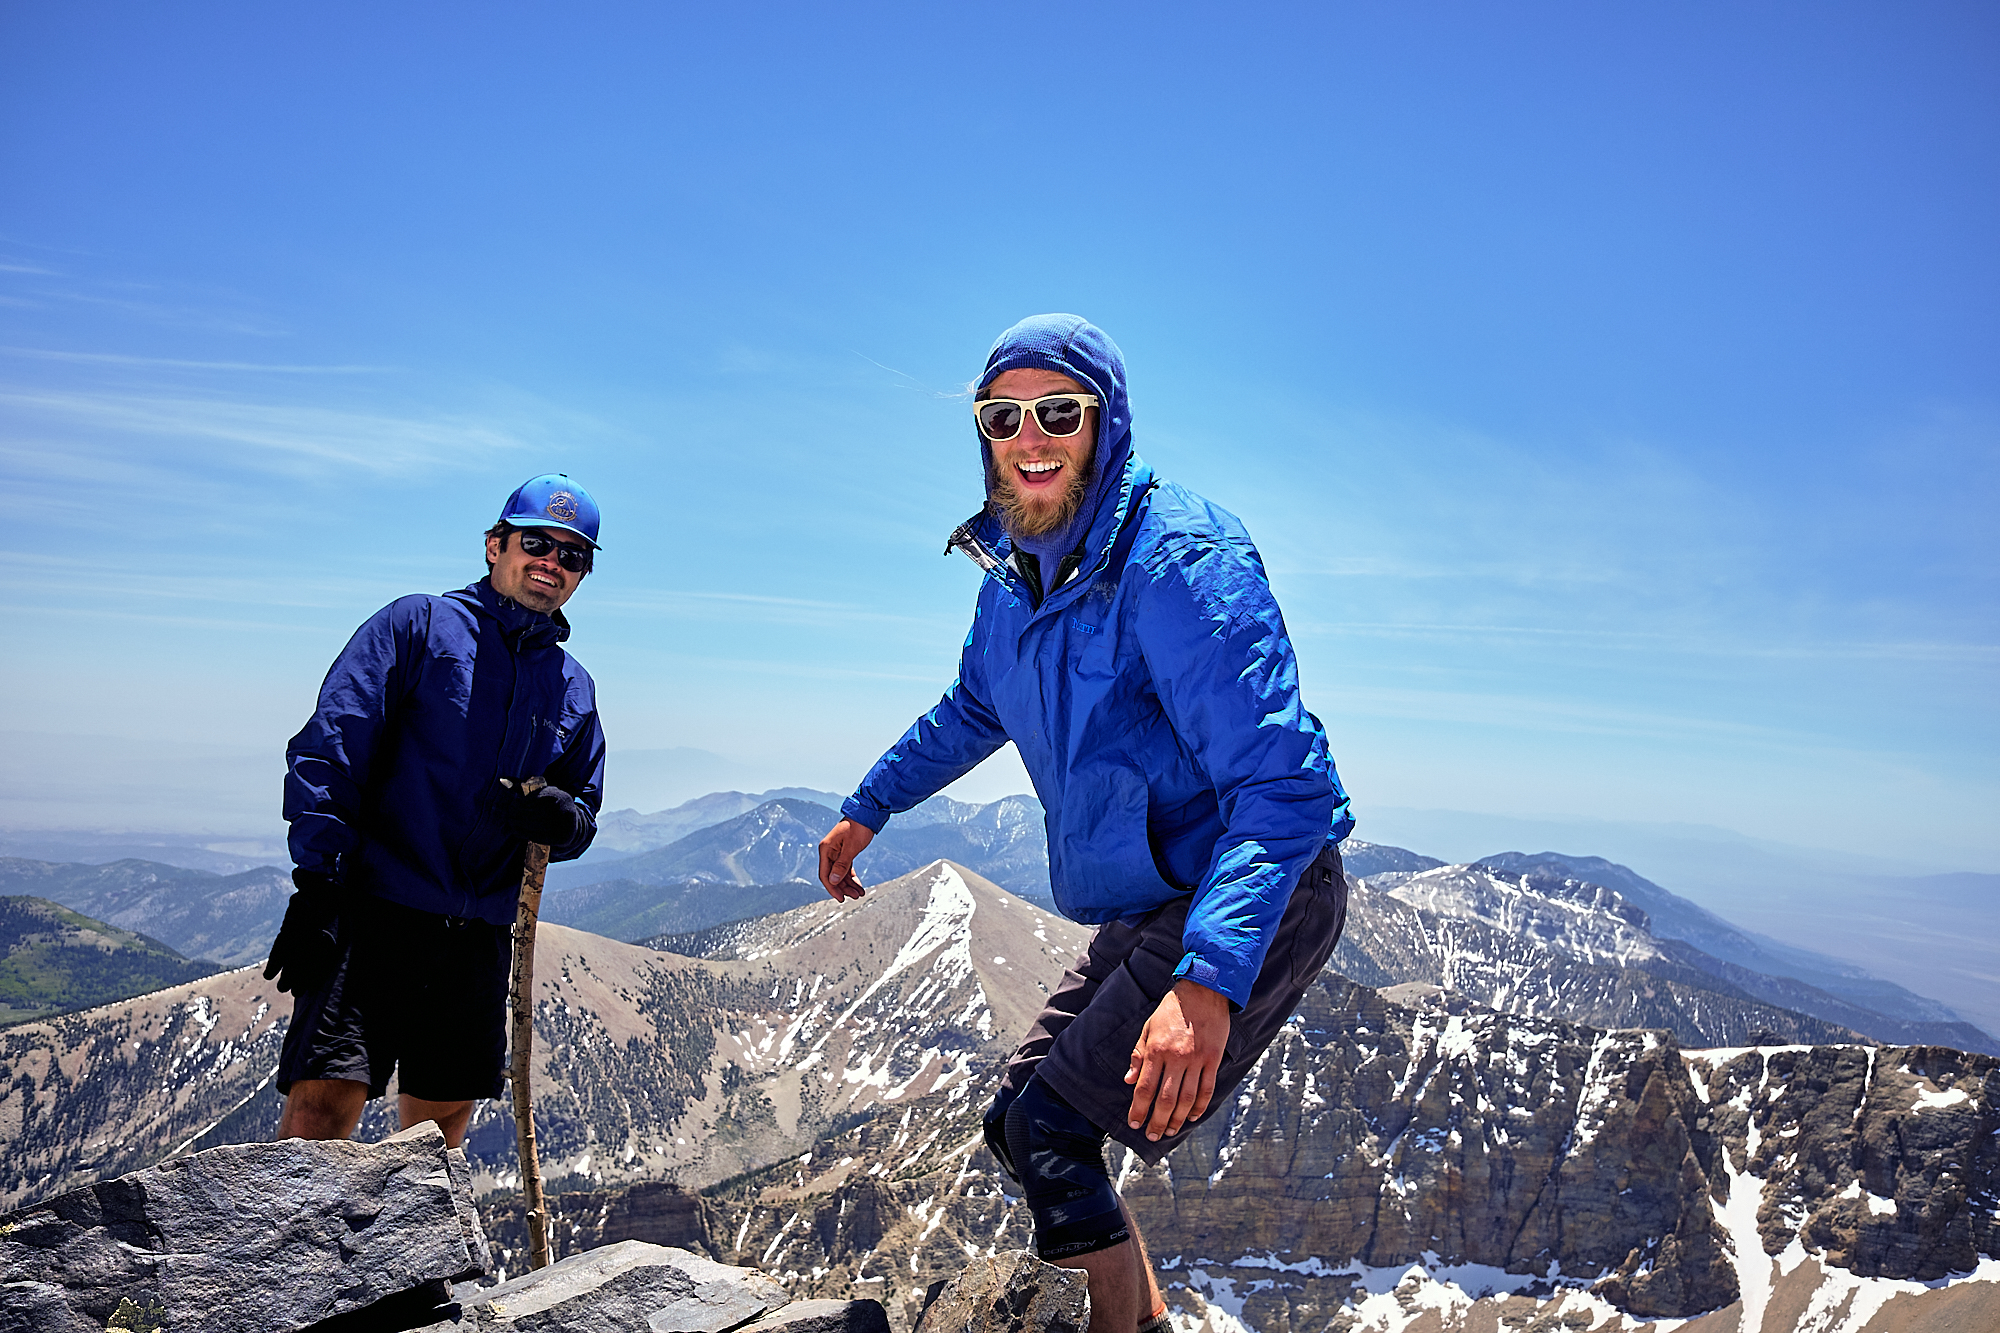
{"x": 521, "y": 1038}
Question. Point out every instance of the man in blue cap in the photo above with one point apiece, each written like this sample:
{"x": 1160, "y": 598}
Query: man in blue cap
{"x": 1127, "y": 643}
{"x": 407, "y": 844}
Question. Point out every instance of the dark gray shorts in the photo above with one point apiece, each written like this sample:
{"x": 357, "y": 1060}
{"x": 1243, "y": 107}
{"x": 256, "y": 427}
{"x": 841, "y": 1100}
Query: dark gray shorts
{"x": 1082, "y": 1043}
{"x": 417, "y": 993}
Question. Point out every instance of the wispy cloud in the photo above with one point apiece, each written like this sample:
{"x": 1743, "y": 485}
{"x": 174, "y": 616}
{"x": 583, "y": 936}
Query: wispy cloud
{"x": 168, "y": 363}
{"x": 281, "y": 433}
{"x": 766, "y": 610}
{"x": 1664, "y": 641}
{"x": 199, "y": 318}
{"x": 77, "y": 581}
{"x": 29, "y": 614}
{"x": 1542, "y": 714}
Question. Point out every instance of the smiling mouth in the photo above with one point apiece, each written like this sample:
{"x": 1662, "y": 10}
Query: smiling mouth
{"x": 545, "y": 581}
{"x": 1039, "y": 471}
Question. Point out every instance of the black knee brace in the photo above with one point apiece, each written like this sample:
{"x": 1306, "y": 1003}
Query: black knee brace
{"x": 995, "y": 1129}
{"x": 1058, "y": 1158}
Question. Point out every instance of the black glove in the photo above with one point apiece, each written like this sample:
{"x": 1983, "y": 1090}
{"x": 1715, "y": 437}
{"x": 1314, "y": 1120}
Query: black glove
{"x": 549, "y": 817}
{"x": 307, "y": 949}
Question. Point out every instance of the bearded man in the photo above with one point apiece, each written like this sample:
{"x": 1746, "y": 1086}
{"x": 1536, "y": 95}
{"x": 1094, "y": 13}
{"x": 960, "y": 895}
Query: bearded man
{"x": 1127, "y": 642}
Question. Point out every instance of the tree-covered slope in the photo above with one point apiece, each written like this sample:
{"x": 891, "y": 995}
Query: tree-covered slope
{"x": 53, "y": 959}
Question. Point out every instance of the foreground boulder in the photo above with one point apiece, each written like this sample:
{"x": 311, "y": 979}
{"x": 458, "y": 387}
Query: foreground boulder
{"x": 1010, "y": 1293}
{"x": 636, "y": 1285}
{"x": 250, "y": 1238}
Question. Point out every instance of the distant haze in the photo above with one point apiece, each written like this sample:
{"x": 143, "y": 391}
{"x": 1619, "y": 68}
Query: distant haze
{"x": 1881, "y": 905}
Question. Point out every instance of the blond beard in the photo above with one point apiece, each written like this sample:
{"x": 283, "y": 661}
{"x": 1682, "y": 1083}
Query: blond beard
{"x": 1022, "y": 517}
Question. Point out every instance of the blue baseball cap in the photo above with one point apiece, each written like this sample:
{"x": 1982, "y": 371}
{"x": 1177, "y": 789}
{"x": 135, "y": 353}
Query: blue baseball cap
{"x": 552, "y": 500}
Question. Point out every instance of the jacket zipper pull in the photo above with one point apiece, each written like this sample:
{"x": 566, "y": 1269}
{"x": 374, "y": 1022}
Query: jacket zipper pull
{"x": 963, "y": 539}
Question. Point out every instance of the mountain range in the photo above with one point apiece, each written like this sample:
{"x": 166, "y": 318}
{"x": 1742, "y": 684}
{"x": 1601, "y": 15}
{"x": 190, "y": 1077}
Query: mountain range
{"x": 777, "y": 839}
{"x": 1603, "y": 943}
{"x": 812, "y": 1081}
{"x": 649, "y": 1064}
{"x": 228, "y": 920}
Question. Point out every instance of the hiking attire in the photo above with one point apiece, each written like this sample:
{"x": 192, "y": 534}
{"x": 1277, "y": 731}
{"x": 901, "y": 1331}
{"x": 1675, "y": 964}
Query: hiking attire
{"x": 394, "y": 797}
{"x": 1140, "y": 665}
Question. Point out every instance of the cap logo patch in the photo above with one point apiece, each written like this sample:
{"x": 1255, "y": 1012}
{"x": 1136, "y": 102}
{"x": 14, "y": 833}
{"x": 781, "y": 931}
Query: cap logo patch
{"x": 562, "y": 505}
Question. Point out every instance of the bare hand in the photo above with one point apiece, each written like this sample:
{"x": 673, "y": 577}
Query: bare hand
{"x": 1174, "y": 1064}
{"x": 837, "y": 851}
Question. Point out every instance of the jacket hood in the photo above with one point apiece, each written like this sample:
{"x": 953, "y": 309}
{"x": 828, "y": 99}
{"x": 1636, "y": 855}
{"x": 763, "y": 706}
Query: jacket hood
{"x": 522, "y": 627}
{"x": 1070, "y": 345}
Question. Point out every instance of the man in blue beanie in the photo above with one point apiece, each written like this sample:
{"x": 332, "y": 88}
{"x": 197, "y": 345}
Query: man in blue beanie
{"x": 1127, "y": 642}
{"x": 408, "y": 846}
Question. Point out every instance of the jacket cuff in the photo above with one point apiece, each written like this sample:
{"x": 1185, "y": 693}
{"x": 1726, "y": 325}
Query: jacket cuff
{"x": 864, "y": 812}
{"x": 1193, "y": 967}
{"x": 316, "y": 879}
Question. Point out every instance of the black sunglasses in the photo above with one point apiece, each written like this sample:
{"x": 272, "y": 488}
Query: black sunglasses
{"x": 574, "y": 558}
{"x": 1058, "y": 414}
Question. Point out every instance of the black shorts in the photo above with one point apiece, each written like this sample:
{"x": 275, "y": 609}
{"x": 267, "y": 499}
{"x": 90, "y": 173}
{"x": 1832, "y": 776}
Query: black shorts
{"x": 1082, "y": 1043}
{"x": 421, "y": 994}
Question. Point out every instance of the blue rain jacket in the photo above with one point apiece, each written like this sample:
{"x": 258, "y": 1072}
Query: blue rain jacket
{"x": 1153, "y": 698}
{"x": 393, "y": 785}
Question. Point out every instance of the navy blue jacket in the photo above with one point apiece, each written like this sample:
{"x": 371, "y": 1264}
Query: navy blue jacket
{"x": 1154, "y": 699}
{"x": 393, "y": 785}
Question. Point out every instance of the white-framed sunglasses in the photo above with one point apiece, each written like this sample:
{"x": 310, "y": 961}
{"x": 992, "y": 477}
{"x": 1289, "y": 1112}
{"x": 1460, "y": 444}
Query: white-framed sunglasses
{"x": 1058, "y": 414}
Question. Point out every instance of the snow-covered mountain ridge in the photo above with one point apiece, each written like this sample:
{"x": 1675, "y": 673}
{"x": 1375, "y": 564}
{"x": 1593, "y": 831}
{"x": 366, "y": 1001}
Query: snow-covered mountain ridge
{"x": 1588, "y": 922}
{"x": 1536, "y": 942}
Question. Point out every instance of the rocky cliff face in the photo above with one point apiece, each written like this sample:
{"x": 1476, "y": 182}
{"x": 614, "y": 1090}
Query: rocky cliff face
{"x": 1421, "y": 1158}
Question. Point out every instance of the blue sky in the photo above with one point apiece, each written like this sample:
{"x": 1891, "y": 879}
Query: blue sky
{"x": 1612, "y": 389}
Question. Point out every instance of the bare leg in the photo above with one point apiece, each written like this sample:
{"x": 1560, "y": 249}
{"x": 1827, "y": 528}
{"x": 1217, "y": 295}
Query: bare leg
{"x": 451, "y": 1117}
{"x": 322, "y": 1108}
{"x": 1154, "y": 1301}
{"x": 1123, "y": 1290}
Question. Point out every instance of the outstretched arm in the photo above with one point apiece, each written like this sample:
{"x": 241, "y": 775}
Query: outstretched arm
{"x": 940, "y": 747}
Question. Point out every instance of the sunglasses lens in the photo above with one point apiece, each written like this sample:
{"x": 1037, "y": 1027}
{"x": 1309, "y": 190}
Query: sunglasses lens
{"x": 1059, "y": 416}
{"x": 569, "y": 555}
{"x": 1000, "y": 421}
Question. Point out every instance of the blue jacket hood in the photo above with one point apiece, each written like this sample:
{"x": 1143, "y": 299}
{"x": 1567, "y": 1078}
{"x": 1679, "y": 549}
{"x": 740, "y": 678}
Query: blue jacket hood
{"x": 1069, "y": 345}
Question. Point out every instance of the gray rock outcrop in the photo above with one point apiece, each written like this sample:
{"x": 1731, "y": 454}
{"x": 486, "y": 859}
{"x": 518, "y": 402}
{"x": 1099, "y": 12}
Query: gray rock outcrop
{"x": 1013, "y": 1292}
{"x": 634, "y": 1285}
{"x": 252, "y": 1237}
{"x": 824, "y": 1317}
